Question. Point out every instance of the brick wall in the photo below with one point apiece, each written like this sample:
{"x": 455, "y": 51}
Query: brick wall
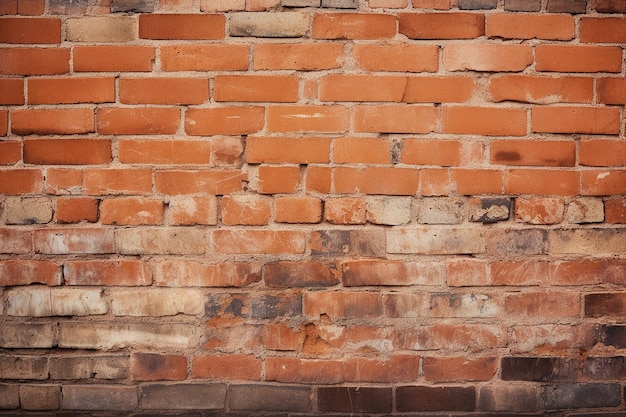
{"x": 312, "y": 207}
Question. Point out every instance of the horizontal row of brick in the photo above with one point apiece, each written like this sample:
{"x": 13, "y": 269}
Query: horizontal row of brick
{"x": 439, "y": 26}
{"x": 302, "y": 399}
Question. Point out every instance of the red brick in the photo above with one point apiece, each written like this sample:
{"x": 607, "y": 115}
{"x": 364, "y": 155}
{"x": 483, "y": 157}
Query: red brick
{"x": 578, "y": 58}
{"x": 586, "y": 272}
{"x": 477, "y": 181}
{"x": 256, "y": 88}
{"x": 545, "y": 306}
{"x": 610, "y": 6}
{"x": 615, "y": 211}
{"x": 186, "y": 211}
{"x": 164, "y": 152}
{"x": 216, "y": 182}
{"x": 541, "y": 90}
{"x": 182, "y": 26}
{"x": 361, "y": 151}
{"x": 518, "y": 273}
{"x": 4, "y": 123}
{"x": 251, "y": 210}
{"x": 539, "y": 210}
{"x": 65, "y": 241}
{"x": 533, "y": 152}
{"x": 395, "y": 119}
{"x": 76, "y": 209}
{"x": 138, "y": 121}
{"x": 158, "y": 367}
{"x": 297, "y": 56}
{"x": 530, "y": 26}
{"x": 117, "y": 181}
{"x": 31, "y": 7}
{"x": 113, "y": 58}
{"x": 8, "y": 7}
{"x": 10, "y": 153}
{"x": 459, "y": 368}
{"x": 34, "y": 61}
{"x": 398, "y": 368}
{"x": 227, "y": 367}
{"x": 434, "y": 182}
{"x": 492, "y": 121}
{"x": 163, "y": 90}
{"x": 467, "y": 273}
{"x": 391, "y": 272}
{"x": 67, "y": 151}
{"x": 38, "y": 30}
{"x": 71, "y": 90}
{"x": 353, "y": 26}
{"x": 441, "y": 152}
{"x": 318, "y": 179}
{"x": 224, "y": 121}
{"x": 107, "y": 273}
{"x": 52, "y": 121}
{"x": 344, "y": 210}
{"x": 240, "y": 241}
{"x": 287, "y": 150}
{"x": 453, "y": 337}
{"x": 63, "y": 181}
{"x": 303, "y": 371}
{"x": 308, "y": 118}
{"x": 602, "y": 30}
{"x": 592, "y": 120}
{"x": 297, "y": 209}
{"x": 26, "y": 272}
{"x": 12, "y": 91}
{"x": 21, "y": 181}
{"x": 281, "y": 179}
{"x": 441, "y": 25}
{"x": 416, "y": 58}
{"x": 386, "y": 181}
{"x": 342, "y": 304}
{"x": 603, "y": 182}
{"x": 131, "y": 211}
{"x": 611, "y": 90}
{"x": 212, "y": 57}
{"x": 487, "y": 57}
{"x": 542, "y": 182}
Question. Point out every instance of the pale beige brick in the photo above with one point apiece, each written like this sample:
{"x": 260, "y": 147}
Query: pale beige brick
{"x": 269, "y": 25}
{"x": 101, "y": 29}
{"x": 157, "y": 302}
{"x": 585, "y": 210}
{"x": 89, "y": 367}
{"x": 26, "y": 335}
{"x": 35, "y": 210}
{"x": 392, "y": 211}
{"x": 435, "y": 241}
{"x": 43, "y": 302}
{"x": 171, "y": 241}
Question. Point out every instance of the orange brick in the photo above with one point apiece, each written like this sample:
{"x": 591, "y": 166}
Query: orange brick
{"x": 83, "y": 240}
{"x": 113, "y": 58}
{"x": 303, "y": 371}
{"x": 131, "y": 211}
{"x": 361, "y": 151}
{"x": 578, "y": 58}
{"x": 71, "y": 90}
{"x": 484, "y": 121}
{"x": 256, "y": 88}
{"x": 477, "y": 181}
{"x": 250, "y": 210}
{"x": 107, "y": 272}
{"x": 138, "y": 121}
{"x": 52, "y": 121}
{"x": 185, "y": 210}
{"x": 455, "y": 369}
{"x": 398, "y": 368}
{"x": 67, "y": 151}
{"x": 342, "y": 304}
{"x": 541, "y": 90}
{"x": 297, "y": 209}
{"x": 440, "y": 152}
{"x": 287, "y": 150}
{"x": 304, "y": 118}
{"x": 552, "y": 305}
{"x": 362, "y": 88}
{"x": 434, "y": 182}
{"x": 353, "y": 26}
{"x": 8, "y": 7}
{"x": 245, "y": 241}
{"x": 12, "y": 91}
{"x": 388, "y": 4}
{"x": 224, "y": 121}
{"x": 213, "y": 57}
{"x": 158, "y": 367}
{"x": 21, "y": 181}
{"x": 611, "y": 90}
{"x": 215, "y": 182}
{"x": 283, "y": 179}
{"x": 539, "y": 210}
{"x": 530, "y": 26}
{"x": 487, "y": 57}
{"x": 43, "y": 30}
{"x": 592, "y": 120}
{"x": 10, "y": 152}
{"x": 386, "y": 181}
{"x": 431, "y": 4}
{"x": 615, "y": 211}
{"x": 416, "y": 58}
{"x": 182, "y": 26}
{"x": 441, "y": 25}
{"x": 297, "y": 56}
{"x": 518, "y": 273}
{"x": 542, "y": 182}
{"x": 602, "y": 152}
{"x": 4, "y": 122}
{"x": 62, "y": 181}
{"x": 345, "y": 210}
{"x": 439, "y": 89}
{"x": 34, "y": 61}
{"x": 603, "y": 182}
{"x": 602, "y": 30}
{"x": 31, "y": 7}
{"x": 164, "y": 152}
{"x": 117, "y": 181}
{"x": 230, "y": 367}
{"x": 467, "y": 273}
{"x": 533, "y": 152}
{"x": 395, "y": 119}
{"x": 27, "y": 272}
{"x": 318, "y": 179}
{"x": 227, "y": 151}
{"x": 163, "y": 90}
{"x": 76, "y": 209}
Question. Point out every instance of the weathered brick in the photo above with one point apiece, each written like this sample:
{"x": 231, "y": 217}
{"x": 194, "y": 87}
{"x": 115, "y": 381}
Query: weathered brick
{"x": 354, "y": 400}
{"x": 367, "y": 243}
{"x": 99, "y": 397}
{"x": 27, "y": 335}
{"x": 23, "y": 367}
{"x": 15, "y": 241}
{"x": 585, "y": 210}
{"x": 257, "y": 241}
{"x": 522, "y": 5}
{"x": 465, "y": 305}
{"x": 189, "y": 273}
{"x": 353, "y": 26}
{"x": 232, "y": 367}
{"x": 427, "y": 398}
{"x": 538, "y": 369}
{"x": 40, "y": 397}
{"x": 519, "y": 242}
{"x": 440, "y": 211}
{"x": 567, "y": 6}
{"x": 270, "y": 398}
{"x": 392, "y": 211}
{"x": 436, "y": 241}
{"x": 156, "y": 302}
{"x": 89, "y": 367}
{"x": 101, "y": 29}
{"x": 244, "y": 209}
{"x": 74, "y": 241}
{"x": 441, "y": 25}
{"x": 610, "y": 6}
{"x": 557, "y": 338}
{"x": 477, "y": 4}
{"x": 268, "y": 25}
{"x": 9, "y": 397}
{"x": 342, "y": 304}
{"x": 289, "y": 274}
{"x": 161, "y": 240}
{"x": 587, "y": 241}
{"x": 489, "y": 210}
{"x": 158, "y": 367}
{"x": 391, "y": 272}
{"x": 605, "y": 305}
{"x": 509, "y": 397}
{"x": 136, "y": 6}
{"x": 612, "y": 335}
{"x": 581, "y": 395}
{"x": 44, "y": 302}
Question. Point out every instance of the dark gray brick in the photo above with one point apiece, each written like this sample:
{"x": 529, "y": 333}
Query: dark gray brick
{"x": 270, "y": 398}
{"x": 187, "y": 397}
{"x": 522, "y": 5}
{"x": 478, "y": 4}
{"x": 576, "y": 396}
